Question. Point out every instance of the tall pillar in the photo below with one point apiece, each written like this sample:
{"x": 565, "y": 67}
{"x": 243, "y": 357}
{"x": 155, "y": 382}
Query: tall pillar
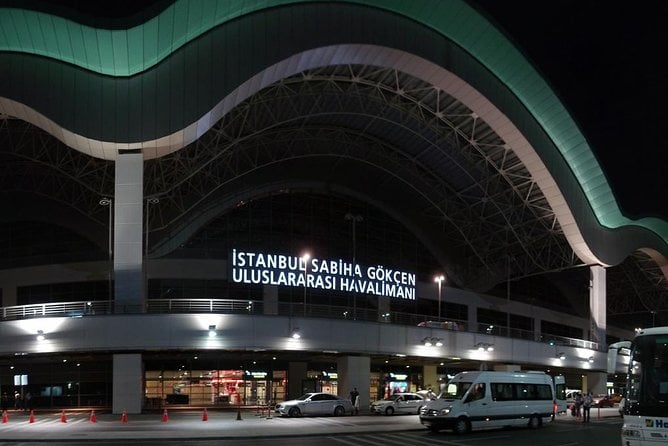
{"x": 595, "y": 382}
{"x": 354, "y": 371}
{"x": 597, "y": 305}
{"x": 128, "y": 231}
{"x": 296, "y": 374}
{"x": 127, "y": 385}
{"x": 430, "y": 378}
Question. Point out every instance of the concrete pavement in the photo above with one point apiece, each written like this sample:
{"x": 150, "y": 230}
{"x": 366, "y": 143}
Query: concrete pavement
{"x": 224, "y": 425}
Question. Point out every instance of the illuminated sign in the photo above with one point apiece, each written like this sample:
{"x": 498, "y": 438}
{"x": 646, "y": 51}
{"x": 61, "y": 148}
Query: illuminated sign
{"x": 336, "y": 275}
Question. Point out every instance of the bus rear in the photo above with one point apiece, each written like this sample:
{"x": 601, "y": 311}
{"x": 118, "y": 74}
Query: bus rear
{"x": 646, "y": 405}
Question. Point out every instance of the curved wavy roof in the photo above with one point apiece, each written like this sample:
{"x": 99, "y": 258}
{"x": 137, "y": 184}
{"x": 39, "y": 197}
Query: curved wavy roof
{"x": 162, "y": 84}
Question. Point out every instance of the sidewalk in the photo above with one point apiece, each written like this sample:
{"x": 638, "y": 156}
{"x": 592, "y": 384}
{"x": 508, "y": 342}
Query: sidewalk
{"x": 182, "y": 425}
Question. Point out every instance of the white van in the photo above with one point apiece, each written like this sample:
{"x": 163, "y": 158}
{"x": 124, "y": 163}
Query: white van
{"x": 478, "y": 400}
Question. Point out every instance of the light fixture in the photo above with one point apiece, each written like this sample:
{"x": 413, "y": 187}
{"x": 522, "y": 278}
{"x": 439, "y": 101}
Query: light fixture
{"x": 561, "y": 356}
{"x": 40, "y": 335}
{"x": 212, "y": 331}
{"x": 430, "y": 341}
{"x": 591, "y": 359}
{"x": 296, "y": 334}
{"x": 482, "y": 347}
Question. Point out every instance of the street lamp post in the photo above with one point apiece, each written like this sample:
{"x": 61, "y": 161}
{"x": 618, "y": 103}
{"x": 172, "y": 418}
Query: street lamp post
{"x": 305, "y": 258}
{"x": 109, "y": 202}
{"x": 354, "y": 219}
{"x": 439, "y": 280}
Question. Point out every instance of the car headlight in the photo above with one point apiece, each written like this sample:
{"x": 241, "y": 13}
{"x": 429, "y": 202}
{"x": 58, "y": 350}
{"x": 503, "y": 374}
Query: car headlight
{"x": 445, "y": 410}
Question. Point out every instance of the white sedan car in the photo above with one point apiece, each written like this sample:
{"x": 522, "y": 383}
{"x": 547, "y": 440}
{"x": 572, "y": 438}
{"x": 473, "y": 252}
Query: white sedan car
{"x": 399, "y": 403}
{"x": 317, "y": 403}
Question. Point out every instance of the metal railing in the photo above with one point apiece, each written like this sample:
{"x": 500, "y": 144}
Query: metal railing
{"x": 238, "y": 306}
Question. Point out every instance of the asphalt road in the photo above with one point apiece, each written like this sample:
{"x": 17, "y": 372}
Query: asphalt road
{"x": 326, "y": 432}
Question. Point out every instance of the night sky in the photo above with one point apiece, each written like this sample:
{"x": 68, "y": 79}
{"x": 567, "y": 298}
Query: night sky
{"x": 606, "y": 60}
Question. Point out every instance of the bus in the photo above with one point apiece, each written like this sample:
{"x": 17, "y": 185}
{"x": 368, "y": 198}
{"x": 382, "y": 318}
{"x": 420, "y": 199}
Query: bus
{"x": 645, "y": 408}
{"x": 486, "y": 399}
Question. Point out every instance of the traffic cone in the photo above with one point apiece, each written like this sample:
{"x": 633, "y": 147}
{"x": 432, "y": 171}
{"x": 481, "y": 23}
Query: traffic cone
{"x": 92, "y": 418}
{"x": 5, "y": 417}
{"x": 31, "y": 418}
{"x": 205, "y": 415}
{"x": 63, "y": 418}
{"x": 165, "y": 416}
{"x": 124, "y": 417}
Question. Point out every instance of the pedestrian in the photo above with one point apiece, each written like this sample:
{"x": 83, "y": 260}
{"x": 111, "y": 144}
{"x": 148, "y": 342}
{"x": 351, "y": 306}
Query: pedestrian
{"x": 355, "y": 399}
{"x": 586, "y": 407}
{"x": 18, "y": 401}
{"x": 27, "y": 402}
{"x": 578, "y": 404}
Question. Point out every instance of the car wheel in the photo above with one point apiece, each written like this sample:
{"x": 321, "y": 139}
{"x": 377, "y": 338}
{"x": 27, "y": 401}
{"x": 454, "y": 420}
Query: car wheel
{"x": 294, "y": 412}
{"x": 339, "y": 411}
{"x": 534, "y": 422}
{"x": 462, "y": 426}
{"x": 419, "y": 409}
{"x": 389, "y": 410}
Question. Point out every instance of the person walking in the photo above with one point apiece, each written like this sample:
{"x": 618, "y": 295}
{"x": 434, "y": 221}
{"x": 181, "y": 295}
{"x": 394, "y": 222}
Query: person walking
{"x": 354, "y": 398}
{"x": 586, "y": 407}
{"x": 578, "y": 404}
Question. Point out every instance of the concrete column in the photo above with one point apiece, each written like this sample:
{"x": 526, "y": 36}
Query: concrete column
{"x": 597, "y": 305}
{"x": 430, "y": 378}
{"x": 296, "y": 373}
{"x": 270, "y": 299}
{"x": 595, "y": 382}
{"x": 354, "y": 371}
{"x": 128, "y": 232}
{"x": 128, "y": 384}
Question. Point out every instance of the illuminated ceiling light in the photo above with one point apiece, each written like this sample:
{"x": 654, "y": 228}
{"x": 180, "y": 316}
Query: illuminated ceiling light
{"x": 212, "y": 331}
{"x": 490, "y": 347}
{"x": 40, "y": 335}
{"x": 561, "y": 356}
{"x": 296, "y": 334}
{"x": 591, "y": 359}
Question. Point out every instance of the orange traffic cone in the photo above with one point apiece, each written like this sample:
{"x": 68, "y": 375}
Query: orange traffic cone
{"x": 5, "y": 417}
{"x": 165, "y": 416}
{"x": 205, "y": 415}
{"x": 31, "y": 418}
{"x": 92, "y": 418}
{"x": 63, "y": 418}
{"x": 124, "y": 417}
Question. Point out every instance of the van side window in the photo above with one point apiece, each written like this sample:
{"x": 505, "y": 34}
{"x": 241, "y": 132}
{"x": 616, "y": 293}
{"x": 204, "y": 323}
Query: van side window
{"x": 477, "y": 392}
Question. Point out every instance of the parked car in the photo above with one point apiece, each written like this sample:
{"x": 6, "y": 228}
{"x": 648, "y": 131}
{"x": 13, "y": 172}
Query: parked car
{"x": 399, "y": 403}
{"x": 316, "y": 403}
{"x": 602, "y": 401}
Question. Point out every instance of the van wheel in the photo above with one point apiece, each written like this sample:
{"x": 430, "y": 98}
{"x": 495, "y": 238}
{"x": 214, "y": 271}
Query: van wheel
{"x": 389, "y": 411}
{"x": 535, "y": 422}
{"x": 462, "y": 426}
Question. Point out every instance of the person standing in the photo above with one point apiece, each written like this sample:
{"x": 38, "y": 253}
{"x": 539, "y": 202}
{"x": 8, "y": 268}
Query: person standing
{"x": 354, "y": 398}
{"x": 18, "y": 401}
{"x": 586, "y": 407}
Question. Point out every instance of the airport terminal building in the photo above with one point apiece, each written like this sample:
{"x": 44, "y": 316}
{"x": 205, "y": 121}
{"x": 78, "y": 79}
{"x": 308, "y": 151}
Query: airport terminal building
{"x": 236, "y": 202}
